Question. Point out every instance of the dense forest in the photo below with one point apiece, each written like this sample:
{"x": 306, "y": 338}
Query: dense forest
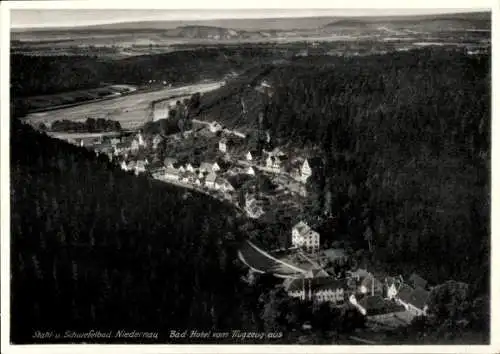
{"x": 405, "y": 143}
{"x": 39, "y": 75}
{"x": 94, "y": 247}
{"x": 91, "y": 125}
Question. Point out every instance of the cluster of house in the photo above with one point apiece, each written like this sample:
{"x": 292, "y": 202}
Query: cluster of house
{"x": 376, "y": 299}
{"x": 215, "y": 127}
{"x": 137, "y": 166}
{"x": 125, "y": 145}
{"x": 305, "y": 237}
{"x": 274, "y": 161}
{"x": 363, "y": 290}
{"x": 205, "y": 174}
{"x": 120, "y": 146}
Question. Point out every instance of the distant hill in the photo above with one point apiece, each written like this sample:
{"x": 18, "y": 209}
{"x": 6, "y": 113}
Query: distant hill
{"x": 480, "y": 20}
{"x": 270, "y": 27}
{"x": 206, "y": 32}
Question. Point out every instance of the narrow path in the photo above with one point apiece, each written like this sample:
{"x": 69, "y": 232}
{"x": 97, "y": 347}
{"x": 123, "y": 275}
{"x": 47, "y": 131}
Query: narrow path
{"x": 264, "y": 253}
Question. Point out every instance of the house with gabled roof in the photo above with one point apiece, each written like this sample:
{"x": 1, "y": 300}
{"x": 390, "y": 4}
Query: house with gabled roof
{"x": 273, "y": 162}
{"x": 189, "y": 167}
{"x": 206, "y": 167}
{"x": 249, "y": 156}
{"x": 215, "y": 167}
{"x": 304, "y": 237}
{"x": 250, "y": 171}
{"x": 414, "y": 300}
{"x": 309, "y": 166}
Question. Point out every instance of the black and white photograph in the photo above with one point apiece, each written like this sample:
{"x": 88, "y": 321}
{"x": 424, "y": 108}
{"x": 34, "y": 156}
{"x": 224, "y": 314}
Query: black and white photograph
{"x": 261, "y": 177}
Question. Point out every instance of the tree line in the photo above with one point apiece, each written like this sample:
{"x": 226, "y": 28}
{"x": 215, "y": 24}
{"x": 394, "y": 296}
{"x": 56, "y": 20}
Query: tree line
{"x": 91, "y": 125}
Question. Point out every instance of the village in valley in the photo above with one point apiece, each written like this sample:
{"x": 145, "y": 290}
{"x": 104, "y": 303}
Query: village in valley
{"x": 266, "y": 183}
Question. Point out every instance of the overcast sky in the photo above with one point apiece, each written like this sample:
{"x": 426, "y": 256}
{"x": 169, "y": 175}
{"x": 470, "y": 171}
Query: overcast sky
{"x": 83, "y": 17}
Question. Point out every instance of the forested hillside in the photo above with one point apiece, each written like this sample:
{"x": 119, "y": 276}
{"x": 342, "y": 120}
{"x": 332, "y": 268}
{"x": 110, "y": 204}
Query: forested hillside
{"x": 95, "y": 247}
{"x": 38, "y": 75}
{"x": 405, "y": 138}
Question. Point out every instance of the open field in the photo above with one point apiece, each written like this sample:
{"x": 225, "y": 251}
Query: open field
{"x": 67, "y": 99}
{"x": 131, "y": 111}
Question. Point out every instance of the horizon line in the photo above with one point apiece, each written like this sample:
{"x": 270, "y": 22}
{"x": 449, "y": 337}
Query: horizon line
{"x": 274, "y": 16}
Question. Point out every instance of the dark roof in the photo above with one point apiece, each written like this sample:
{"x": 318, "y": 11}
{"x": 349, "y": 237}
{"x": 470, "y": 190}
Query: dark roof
{"x": 405, "y": 292}
{"x": 296, "y": 285}
{"x": 419, "y": 298}
{"x": 377, "y": 305}
{"x": 325, "y": 283}
{"x": 418, "y": 281}
{"x": 315, "y": 162}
